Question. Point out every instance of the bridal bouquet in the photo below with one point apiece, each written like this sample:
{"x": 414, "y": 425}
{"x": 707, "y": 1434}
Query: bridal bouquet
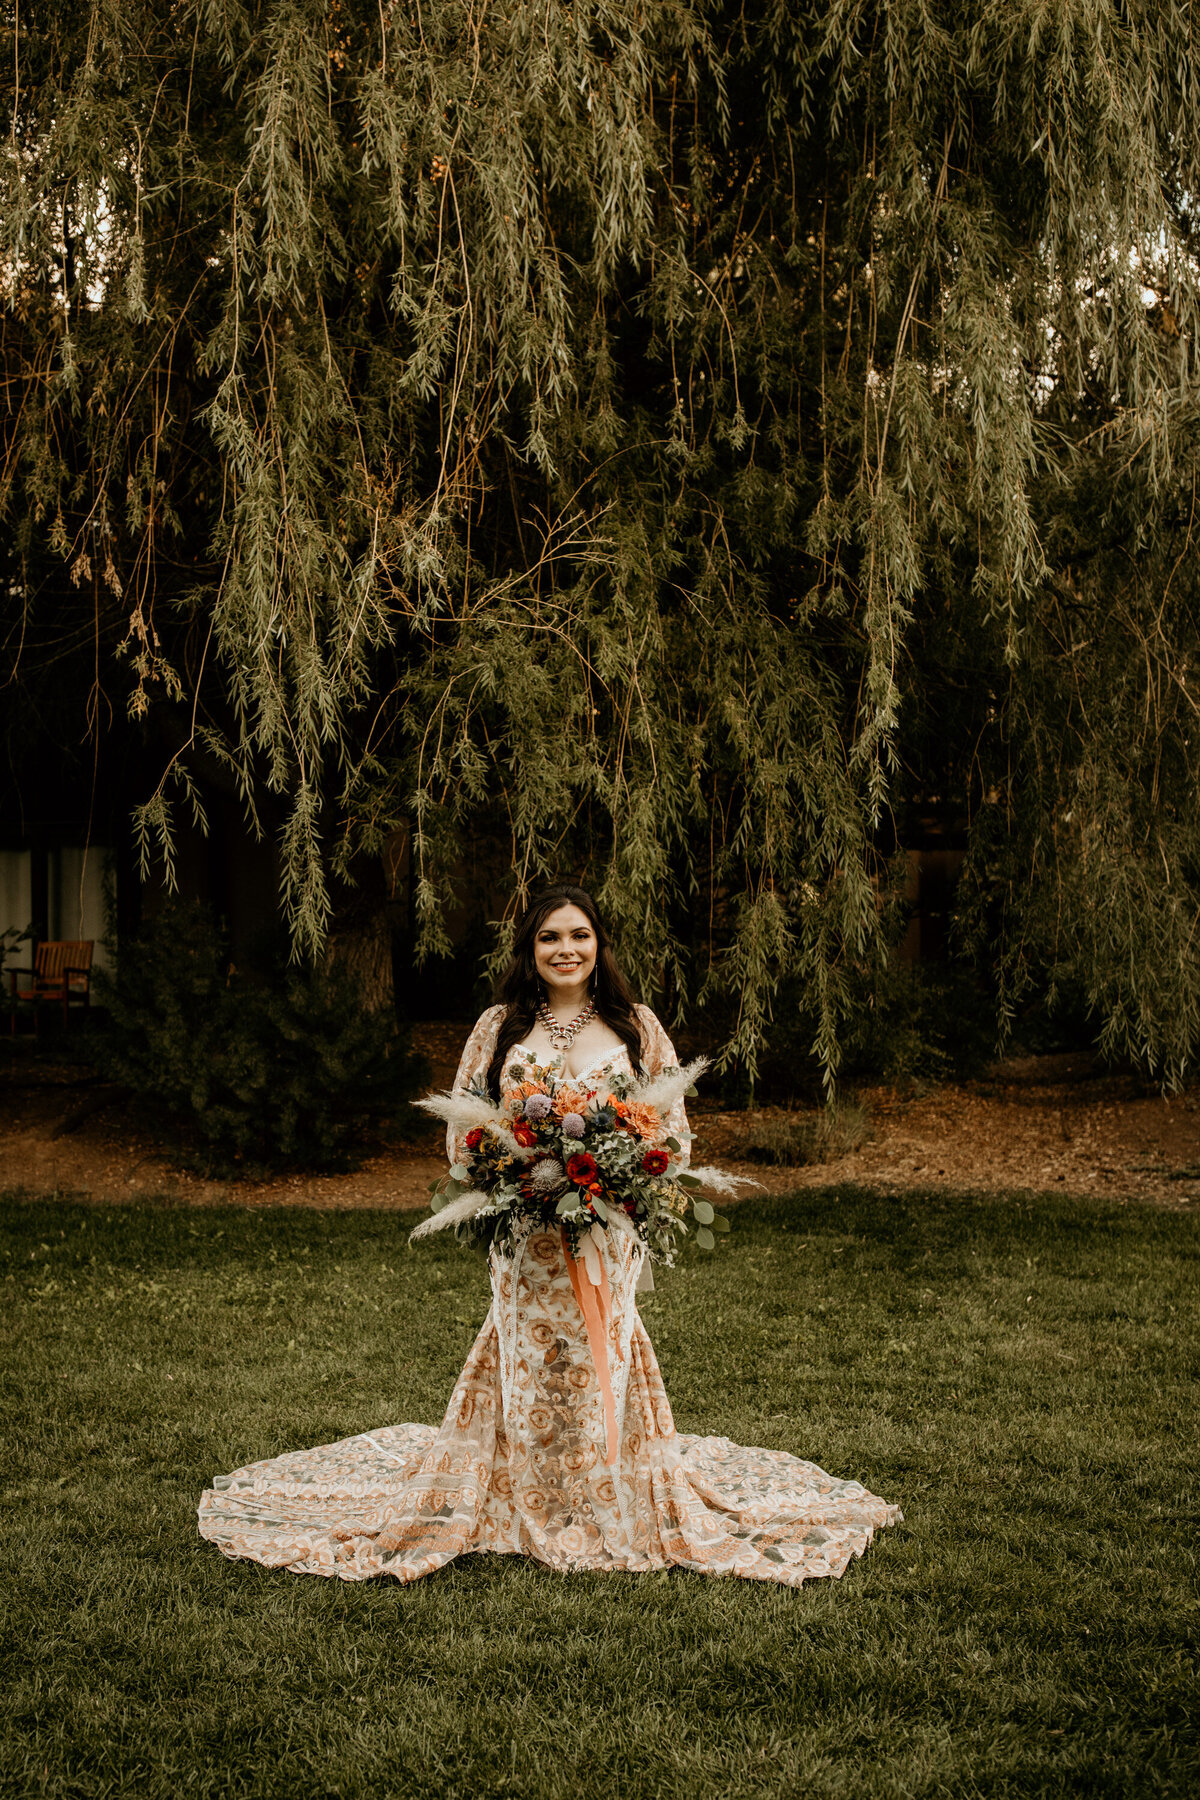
{"x": 551, "y": 1154}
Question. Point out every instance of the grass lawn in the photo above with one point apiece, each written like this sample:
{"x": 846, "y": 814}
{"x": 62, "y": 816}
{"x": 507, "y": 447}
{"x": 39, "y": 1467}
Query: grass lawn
{"x": 1019, "y": 1376}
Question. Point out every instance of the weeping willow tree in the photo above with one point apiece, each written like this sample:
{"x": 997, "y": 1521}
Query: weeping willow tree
{"x": 657, "y": 440}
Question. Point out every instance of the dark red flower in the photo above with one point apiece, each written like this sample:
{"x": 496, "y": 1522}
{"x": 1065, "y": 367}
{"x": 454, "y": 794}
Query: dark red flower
{"x": 655, "y": 1162}
{"x": 582, "y": 1170}
{"x": 474, "y": 1138}
{"x": 525, "y": 1135}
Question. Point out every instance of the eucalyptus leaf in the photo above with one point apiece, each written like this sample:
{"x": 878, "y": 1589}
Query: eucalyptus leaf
{"x": 720, "y": 1222}
{"x": 689, "y": 1181}
{"x": 460, "y": 1172}
{"x": 705, "y": 1238}
{"x": 702, "y": 1212}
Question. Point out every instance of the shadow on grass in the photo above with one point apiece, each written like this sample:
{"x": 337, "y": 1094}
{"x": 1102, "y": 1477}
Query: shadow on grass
{"x": 1018, "y": 1376}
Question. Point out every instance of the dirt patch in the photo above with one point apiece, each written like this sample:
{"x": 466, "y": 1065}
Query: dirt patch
{"x": 1018, "y": 1131}
{"x": 1045, "y": 1123}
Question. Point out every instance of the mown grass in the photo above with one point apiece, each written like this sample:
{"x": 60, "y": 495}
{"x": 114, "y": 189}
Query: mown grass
{"x": 1019, "y": 1376}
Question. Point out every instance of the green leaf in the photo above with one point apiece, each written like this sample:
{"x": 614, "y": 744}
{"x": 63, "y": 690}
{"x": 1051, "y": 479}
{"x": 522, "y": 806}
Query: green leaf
{"x": 689, "y": 1181}
{"x": 567, "y": 1207}
{"x": 691, "y": 1092}
{"x": 702, "y": 1212}
{"x": 673, "y": 1144}
{"x": 720, "y": 1222}
{"x": 460, "y": 1172}
{"x": 705, "y": 1238}
{"x": 601, "y": 1209}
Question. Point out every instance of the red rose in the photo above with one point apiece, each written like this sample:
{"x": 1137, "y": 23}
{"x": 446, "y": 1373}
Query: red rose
{"x": 582, "y": 1170}
{"x": 473, "y": 1139}
{"x": 655, "y": 1162}
{"x": 525, "y": 1135}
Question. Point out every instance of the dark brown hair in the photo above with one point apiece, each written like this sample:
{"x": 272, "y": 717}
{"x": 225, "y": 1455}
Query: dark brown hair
{"x": 520, "y": 987}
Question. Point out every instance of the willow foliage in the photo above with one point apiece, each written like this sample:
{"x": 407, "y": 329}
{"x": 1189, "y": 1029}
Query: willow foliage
{"x": 664, "y": 440}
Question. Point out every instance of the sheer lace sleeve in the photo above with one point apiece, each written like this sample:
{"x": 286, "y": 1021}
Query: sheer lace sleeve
{"x": 658, "y": 1053}
{"x": 477, "y": 1054}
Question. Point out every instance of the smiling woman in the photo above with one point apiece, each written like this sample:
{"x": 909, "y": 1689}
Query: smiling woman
{"x": 564, "y": 955}
{"x": 558, "y": 1442}
{"x": 563, "y": 990}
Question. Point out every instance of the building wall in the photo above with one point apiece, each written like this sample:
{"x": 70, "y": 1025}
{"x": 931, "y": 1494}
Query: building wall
{"x": 71, "y": 879}
{"x": 16, "y": 890}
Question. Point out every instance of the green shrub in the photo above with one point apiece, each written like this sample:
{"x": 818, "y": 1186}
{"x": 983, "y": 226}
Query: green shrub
{"x": 905, "y": 1023}
{"x": 269, "y": 1066}
{"x": 809, "y": 1137}
{"x": 925, "y": 1022}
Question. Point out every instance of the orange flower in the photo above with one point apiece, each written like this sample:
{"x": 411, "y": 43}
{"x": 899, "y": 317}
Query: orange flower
{"x": 645, "y": 1120}
{"x": 522, "y": 1090}
{"x": 569, "y": 1100}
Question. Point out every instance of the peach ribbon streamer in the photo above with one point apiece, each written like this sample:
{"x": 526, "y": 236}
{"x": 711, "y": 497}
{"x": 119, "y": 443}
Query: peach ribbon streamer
{"x": 596, "y": 1307}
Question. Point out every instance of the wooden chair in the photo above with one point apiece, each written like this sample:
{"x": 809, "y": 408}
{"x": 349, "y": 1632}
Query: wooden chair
{"x": 62, "y": 973}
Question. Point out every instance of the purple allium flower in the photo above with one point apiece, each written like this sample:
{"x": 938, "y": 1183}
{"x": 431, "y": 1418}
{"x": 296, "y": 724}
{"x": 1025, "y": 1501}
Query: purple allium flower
{"x": 537, "y": 1106}
{"x": 573, "y": 1125}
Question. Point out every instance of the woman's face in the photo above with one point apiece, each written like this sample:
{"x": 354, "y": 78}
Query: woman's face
{"x": 564, "y": 949}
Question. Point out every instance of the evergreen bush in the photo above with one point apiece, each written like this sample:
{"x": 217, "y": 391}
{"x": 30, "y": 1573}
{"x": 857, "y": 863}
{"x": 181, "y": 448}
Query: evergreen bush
{"x": 925, "y": 1023}
{"x": 269, "y": 1066}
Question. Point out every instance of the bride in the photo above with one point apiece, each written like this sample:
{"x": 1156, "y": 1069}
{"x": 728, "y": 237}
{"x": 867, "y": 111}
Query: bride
{"x": 522, "y": 1461}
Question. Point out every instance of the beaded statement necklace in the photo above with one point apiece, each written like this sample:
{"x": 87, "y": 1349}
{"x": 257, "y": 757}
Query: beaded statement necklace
{"x": 563, "y": 1036}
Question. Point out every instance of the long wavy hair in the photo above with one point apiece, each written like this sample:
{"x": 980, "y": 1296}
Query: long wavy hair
{"x": 520, "y": 988}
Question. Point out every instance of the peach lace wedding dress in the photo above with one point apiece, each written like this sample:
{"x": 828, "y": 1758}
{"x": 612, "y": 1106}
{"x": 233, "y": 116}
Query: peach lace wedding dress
{"x": 517, "y": 1463}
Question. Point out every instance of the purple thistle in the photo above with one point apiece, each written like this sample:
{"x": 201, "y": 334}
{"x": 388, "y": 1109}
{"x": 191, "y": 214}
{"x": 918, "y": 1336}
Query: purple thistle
{"x": 537, "y": 1106}
{"x": 573, "y": 1125}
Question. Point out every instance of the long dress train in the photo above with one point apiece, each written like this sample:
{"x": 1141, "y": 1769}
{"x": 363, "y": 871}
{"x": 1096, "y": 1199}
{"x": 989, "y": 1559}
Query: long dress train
{"x": 518, "y": 1463}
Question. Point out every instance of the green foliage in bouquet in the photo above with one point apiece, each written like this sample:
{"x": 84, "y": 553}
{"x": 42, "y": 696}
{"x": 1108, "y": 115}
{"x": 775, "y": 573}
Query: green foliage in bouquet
{"x": 553, "y": 1155}
{"x": 276, "y": 1066}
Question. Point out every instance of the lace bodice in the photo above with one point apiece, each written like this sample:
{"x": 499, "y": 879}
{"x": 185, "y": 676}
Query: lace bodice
{"x": 658, "y": 1053}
